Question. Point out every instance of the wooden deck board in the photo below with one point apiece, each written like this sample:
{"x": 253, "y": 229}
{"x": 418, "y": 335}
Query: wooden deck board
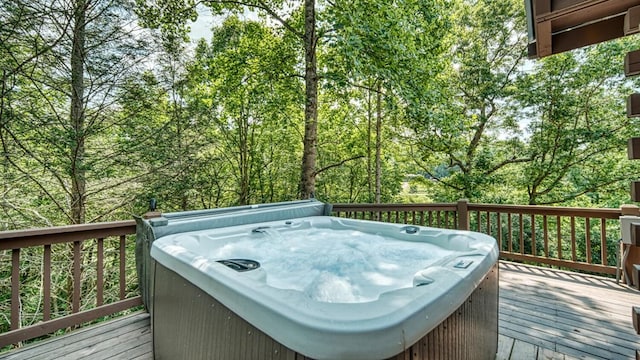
{"x": 545, "y": 314}
{"x": 505, "y": 345}
{"x": 579, "y": 316}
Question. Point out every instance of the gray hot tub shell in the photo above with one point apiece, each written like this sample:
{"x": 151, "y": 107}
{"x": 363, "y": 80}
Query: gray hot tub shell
{"x": 200, "y": 309}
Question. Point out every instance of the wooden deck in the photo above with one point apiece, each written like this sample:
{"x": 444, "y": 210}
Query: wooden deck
{"x": 544, "y": 314}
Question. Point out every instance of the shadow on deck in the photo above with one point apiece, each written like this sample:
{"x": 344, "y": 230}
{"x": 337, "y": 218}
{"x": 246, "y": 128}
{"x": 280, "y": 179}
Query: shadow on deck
{"x": 544, "y": 314}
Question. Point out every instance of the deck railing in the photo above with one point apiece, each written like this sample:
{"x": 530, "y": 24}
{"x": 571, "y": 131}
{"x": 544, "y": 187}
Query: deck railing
{"x": 79, "y": 250}
{"x": 572, "y": 238}
{"x": 101, "y": 278}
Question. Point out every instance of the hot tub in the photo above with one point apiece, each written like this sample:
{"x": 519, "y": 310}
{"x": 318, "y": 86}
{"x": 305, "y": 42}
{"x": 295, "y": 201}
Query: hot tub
{"x": 322, "y": 287}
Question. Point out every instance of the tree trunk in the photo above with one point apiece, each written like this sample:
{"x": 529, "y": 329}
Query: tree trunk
{"x": 378, "y": 145}
{"x": 310, "y": 152}
{"x": 77, "y": 116}
{"x": 244, "y": 159}
{"x": 369, "y": 165}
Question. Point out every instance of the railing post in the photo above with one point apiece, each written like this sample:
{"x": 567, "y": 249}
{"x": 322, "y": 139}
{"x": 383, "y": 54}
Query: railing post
{"x": 632, "y": 210}
{"x": 463, "y": 214}
{"x": 630, "y": 253}
{"x": 15, "y": 289}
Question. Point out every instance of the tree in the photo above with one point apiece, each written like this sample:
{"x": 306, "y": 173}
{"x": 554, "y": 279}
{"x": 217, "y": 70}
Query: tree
{"x": 241, "y": 83}
{"x": 468, "y": 131}
{"x": 54, "y": 124}
{"x": 171, "y": 17}
{"x": 391, "y": 51}
{"x": 578, "y": 129}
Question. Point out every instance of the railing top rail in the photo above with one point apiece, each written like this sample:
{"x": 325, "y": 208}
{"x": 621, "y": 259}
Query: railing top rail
{"x": 394, "y": 207}
{"x": 548, "y": 210}
{"x": 17, "y": 239}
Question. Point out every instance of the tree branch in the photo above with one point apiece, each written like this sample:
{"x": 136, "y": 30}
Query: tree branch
{"x": 261, "y": 6}
{"x": 315, "y": 173}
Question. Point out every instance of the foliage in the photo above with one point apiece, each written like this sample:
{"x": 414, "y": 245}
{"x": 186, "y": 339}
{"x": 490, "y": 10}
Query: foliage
{"x": 574, "y": 102}
{"x": 468, "y": 132}
{"x": 383, "y": 101}
{"x": 438, "y": 89}
{"x": 59, "y": 89}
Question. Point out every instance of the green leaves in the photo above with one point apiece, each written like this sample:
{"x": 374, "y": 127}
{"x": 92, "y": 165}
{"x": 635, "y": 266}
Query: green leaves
{"x": 578, "y": 126}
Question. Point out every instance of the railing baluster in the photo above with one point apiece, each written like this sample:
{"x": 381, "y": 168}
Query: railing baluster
{"x": 488, "y": 223}
{"x": 478, "y": 221}
{"x": 430, "y": 218}
{"x": 122, "y": 267}
{"x": 421, "y": 218}
{"x": 46, "y": 283}
{"x": 499, "y": 223}
{"x": 446, "y": 220}
{"x": 545, "y": 231}
{"x": 510, "y": 228}
{"x": 100, "y": 273}
{"x": 456, "y": 222}
{"x": 603, "y": 242}
{"x": 521, "y": 233}
{"x": 15, "y": 289}
{"x": 587, "y": 240}
{"x": 75, "y": 302}
{"x": 573, "y": 238}
{"x": 559, "y": 236}
{"x": 534, "y": 250}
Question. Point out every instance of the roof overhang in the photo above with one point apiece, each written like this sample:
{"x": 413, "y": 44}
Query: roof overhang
{"x": 556, "y": 26}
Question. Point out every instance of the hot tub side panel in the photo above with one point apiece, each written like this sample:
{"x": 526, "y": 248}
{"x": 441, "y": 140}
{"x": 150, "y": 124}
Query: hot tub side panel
{"x": 190, "y": 324}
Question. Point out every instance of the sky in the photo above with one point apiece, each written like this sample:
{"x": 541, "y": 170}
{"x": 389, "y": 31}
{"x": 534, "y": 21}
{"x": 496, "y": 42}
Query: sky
{"x": 202, "y": 27}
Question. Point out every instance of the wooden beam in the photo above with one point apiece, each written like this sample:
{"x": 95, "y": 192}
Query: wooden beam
{"x": 628, "y": 209}
{"x": 532, "y": 51}
{"x": 605, "y": 30}
{"x": 633, "y": 148}
{"x": 635, "y": 234}
{"x": 601, "y": 31}
{"x": 541, "y": 7}
{"x": 632, "y": 63}
{"x": 542, "y": 28}
{"x": 633, "y": 105}
{"x": 17, "y": 239}
{"x": 544, "y": 39}
{"x": 635, "y": 191}
{"x": 632, "y": 21}
{"x": 575, "y": 13}
{"x": 577, "y": 23}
